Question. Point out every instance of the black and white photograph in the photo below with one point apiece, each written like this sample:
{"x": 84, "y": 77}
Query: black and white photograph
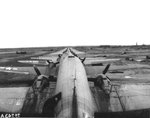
{"x": 75, "y": 59}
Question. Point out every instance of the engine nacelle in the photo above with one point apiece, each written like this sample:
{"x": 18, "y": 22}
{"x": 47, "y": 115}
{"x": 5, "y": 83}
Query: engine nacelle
{"x": 40, "y": 83}
{"x": 103, "y": 83}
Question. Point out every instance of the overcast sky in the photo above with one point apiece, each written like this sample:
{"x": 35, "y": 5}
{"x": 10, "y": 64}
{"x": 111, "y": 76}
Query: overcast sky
{"x": 32, "y": 23}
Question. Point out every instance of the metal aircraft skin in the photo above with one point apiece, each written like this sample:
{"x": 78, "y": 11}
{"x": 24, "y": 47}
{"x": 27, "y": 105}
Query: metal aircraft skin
{"x": 76, "y": 100}
{"x": 64, "y": 91}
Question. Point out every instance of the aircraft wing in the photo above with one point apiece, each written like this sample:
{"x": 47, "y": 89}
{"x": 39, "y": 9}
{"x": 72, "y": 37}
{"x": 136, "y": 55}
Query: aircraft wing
{"x": 16, "y": 79}
{"x": 12, "y": 99}
{"x": 46, "y": 70}
{"x": 17, "y": 94}
{"x": 98, "y": 61}
{"x": 92, "y": 60}
{"x": 129, "y": 97}
{"x": 52, "y": 57}
{"x": 93, "y": 71}
{"x": 34, "y": 62}
{"x": 124, "y": 99}
{"x": 127, "y": 93}
{"x": 42, "y": 58}
{"x": 13, "y": 90}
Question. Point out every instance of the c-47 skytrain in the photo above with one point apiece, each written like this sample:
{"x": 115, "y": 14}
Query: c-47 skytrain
{"x": 61, "y": 85}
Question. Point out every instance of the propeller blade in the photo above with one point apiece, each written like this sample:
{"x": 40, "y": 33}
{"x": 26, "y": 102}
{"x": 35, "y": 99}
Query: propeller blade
{"x": 37, "y": 70}
{"x": 83, "y": 59}
{"x": 48, "y": 61}
{"x": 108, "y": 78}
{"x": 106, "y": 69}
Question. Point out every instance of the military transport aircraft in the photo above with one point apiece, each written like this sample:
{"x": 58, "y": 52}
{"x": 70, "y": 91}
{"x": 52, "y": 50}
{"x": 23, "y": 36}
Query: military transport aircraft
{"x": 63, "y": 88}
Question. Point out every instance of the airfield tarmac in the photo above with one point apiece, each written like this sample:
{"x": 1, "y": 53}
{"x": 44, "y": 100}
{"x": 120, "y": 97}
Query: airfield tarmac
{"x": 10, "y": 58}
{"x": 137, "y": 73}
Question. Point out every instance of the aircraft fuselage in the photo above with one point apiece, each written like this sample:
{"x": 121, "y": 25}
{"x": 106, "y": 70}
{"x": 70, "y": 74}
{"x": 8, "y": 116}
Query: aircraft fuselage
{"x": 77, "y": 100}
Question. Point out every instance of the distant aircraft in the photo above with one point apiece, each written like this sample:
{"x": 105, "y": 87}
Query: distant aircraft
{"x": 66, "y": 90}
{"x": 21, "y": 52}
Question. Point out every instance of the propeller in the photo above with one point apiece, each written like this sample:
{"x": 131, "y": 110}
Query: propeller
{"x": 37, "y": 70}
{"x": 41, "y": 76}
{"x": 44, "y": 80}
{"x": 103, "y": 81}
{"x": 106, "y": 69}
{"x": 83, "y": 59}
{"x": 48, "y": 61}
